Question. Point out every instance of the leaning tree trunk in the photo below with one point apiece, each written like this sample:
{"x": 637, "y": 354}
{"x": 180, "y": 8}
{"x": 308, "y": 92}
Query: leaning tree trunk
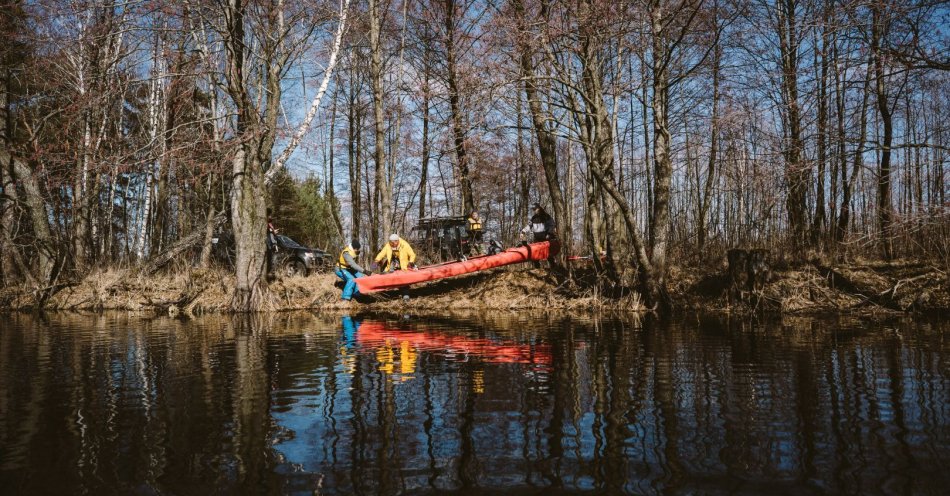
{"x": 546, "y": 141}
{"x": 43, "y": 244}
{"x": 653, "y": 293}
{"x": 593, "y": 218}
{"x": 600, "y": 146}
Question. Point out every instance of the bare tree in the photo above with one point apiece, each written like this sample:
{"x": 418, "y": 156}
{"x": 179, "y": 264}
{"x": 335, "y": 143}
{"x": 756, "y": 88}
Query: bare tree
{"x": 256, "y": 95}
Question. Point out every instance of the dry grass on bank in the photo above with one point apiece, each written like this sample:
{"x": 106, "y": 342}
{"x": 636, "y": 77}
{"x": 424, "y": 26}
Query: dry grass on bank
{"x": 198, "y": 291}
{"x": 807, "y": 287}
{"x": 195, "y": 291}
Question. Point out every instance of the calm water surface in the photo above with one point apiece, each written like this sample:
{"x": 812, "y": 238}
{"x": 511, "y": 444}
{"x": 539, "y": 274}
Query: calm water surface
{"x": 302, "y": 404}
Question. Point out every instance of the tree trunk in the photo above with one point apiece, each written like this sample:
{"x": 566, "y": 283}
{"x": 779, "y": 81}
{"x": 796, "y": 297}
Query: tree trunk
{"x": 424, "y": 172}
{"x": 884, "y": 212}
{"x": 663, "y": 167}
{"x": 842, "y": 159}
{"x": 796, "y": 172}
{"x": 35, "y": 203}
{"x": 818, "y": 225}
{"x": 547, "y": 145}
{"x": 8, "y": 264}
{"x": 162, "y": 221}
{"x": 329, "y": 185}
{"x": 645, "y": 123}
{"x": 354, "y": 125}
{"x": 80, "y": 213}
{"x": 105, "y": 247}
{"x": 8, "y": 270}
{"x": 705, "y": 198}
{"x": 248, "y": 194}
{"x": 524, "y": 170}
{"x": 458, "y": 130}
{"x": 594, "y": 219}
{"x": 847, "y": 183}
{"x": 249, "y": 223}
{"x": 383, "y": 193}
{"x": 204, "y": 259}
{"x": 154, "y": 134}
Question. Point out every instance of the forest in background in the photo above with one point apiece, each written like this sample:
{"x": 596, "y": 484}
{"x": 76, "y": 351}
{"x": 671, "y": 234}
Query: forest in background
{"x": 653, "y": 131}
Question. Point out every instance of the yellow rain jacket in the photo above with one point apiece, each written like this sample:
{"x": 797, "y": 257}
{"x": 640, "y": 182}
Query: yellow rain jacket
{"x": 406, "y": 255}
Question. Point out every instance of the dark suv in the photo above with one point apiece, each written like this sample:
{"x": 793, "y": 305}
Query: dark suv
{"x": 290, "y": 258}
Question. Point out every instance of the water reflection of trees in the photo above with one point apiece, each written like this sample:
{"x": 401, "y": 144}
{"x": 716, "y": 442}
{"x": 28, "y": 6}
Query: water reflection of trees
{"x": 291, "y": 402}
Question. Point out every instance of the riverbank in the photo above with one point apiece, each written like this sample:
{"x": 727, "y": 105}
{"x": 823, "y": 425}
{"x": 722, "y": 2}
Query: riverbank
{"x": 804, "y": 288}
{"x": 200, "y": 291}
{"x": 819, "y": 286}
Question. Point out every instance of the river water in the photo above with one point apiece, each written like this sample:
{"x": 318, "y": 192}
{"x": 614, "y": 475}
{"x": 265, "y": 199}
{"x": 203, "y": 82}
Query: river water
{"x": 522, "y": 404}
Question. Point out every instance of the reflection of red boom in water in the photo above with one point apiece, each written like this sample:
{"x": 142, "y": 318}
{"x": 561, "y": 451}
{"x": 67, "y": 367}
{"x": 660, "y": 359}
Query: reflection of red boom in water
{"x": 377, "y": 334}
{"x": 518, "y": 254}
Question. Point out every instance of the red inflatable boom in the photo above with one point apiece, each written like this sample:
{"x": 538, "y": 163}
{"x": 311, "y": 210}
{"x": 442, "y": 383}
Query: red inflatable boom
{"x": 400, "y": 278}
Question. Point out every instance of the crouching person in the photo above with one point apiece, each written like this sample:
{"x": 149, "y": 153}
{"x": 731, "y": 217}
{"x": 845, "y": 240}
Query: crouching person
{"x": 349, "y": 270}
{"x": 396, "y": 255}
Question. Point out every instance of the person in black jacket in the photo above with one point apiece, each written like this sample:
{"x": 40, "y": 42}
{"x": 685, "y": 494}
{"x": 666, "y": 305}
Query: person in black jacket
{"x": 541, "y": 227}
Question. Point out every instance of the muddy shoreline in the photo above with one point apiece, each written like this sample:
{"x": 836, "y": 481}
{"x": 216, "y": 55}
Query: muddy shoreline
{"x": 898, "y": 287}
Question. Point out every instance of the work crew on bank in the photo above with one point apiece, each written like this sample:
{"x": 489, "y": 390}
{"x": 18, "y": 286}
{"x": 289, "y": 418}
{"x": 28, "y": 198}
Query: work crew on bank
{"x": 397, "y": 254}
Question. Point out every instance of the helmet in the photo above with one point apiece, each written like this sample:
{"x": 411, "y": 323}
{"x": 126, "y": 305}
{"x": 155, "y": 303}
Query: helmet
{"x": 394, "y": 237}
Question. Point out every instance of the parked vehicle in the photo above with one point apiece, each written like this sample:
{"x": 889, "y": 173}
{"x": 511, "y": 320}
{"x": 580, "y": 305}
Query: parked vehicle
{"x": 290, "y": 258}
{"x": 442, "y": 239}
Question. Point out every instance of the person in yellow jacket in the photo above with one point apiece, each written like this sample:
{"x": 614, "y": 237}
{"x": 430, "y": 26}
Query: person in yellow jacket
{"x": 397, "y": 255}
{"x": 349, "y": 270}
{"x": 474, "y": 234}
